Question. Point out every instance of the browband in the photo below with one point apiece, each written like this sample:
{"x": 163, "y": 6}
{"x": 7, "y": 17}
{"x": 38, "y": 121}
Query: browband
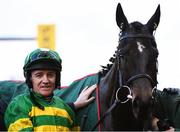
{"x": 136, "y": 36}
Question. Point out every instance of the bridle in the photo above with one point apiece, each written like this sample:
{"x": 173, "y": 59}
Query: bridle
{"x": 129, "y": 81}
{"x": 134, "y": 77}
{"x": 129, "y": 95}
{"x": 136, "y": 36}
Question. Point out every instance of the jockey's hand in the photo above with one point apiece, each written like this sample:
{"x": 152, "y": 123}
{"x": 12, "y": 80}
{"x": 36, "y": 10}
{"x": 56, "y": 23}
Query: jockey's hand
{"x": 84, "y": 97}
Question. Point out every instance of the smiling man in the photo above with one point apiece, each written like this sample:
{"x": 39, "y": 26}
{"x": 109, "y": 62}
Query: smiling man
{"x": 40, "y": 110}
{"x": 43, "y": 81}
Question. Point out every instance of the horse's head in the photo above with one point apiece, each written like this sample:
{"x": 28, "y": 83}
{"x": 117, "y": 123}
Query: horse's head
{"x": 137, "y": 61}
{"x": 127, "y": 85}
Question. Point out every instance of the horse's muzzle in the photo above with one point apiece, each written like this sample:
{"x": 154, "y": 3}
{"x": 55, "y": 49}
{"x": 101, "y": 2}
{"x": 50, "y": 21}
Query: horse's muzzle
{"x": 142, "y": 110}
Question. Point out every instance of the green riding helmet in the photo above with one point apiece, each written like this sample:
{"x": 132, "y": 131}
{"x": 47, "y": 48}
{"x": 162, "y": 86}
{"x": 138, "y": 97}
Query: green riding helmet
{"x": 42, "y": 59}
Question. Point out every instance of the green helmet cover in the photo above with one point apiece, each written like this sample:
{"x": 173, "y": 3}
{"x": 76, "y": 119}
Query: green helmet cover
{"x": 42, "y": 59}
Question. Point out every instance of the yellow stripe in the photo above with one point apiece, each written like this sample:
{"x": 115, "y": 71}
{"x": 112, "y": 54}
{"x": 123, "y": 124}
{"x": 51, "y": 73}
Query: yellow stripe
{"x": 49, "y": 128}
{"x": 76, "y": 128}
{"x": 50, "y": 111}
{"x": 20, "y": 124}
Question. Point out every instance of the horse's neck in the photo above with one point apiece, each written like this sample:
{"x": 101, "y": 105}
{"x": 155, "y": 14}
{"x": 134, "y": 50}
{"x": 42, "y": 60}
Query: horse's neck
{"x": 107, "y": 86}
{"x": 106, "y": 94}
{"x": 121, "y": 117}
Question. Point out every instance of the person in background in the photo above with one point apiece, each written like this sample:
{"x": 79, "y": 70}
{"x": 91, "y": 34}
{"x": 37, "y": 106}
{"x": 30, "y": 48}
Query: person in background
{"x": 39, "y": 109}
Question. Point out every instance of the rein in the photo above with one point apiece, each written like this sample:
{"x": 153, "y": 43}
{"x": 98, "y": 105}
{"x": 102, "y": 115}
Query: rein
{"x": 105, "y": 114}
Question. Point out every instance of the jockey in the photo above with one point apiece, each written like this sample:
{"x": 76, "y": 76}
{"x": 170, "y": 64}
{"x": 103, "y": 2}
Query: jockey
{"x": 39, "y": 109}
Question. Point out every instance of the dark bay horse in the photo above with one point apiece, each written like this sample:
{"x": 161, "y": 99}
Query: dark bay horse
{"x": 126, "y": 85}
{"x": 130, "y": 80}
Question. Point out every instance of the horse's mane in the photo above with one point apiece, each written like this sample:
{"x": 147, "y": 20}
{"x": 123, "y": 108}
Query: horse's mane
{"x": 106, "y": 68}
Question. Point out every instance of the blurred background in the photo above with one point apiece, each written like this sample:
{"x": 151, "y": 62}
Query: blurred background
{"x": 86, "y": 34}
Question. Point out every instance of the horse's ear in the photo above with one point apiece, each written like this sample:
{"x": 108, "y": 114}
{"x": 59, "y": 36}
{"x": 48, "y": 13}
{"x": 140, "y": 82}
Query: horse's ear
{"x": 154, "y": 21}
{"x": 121, "y": 18}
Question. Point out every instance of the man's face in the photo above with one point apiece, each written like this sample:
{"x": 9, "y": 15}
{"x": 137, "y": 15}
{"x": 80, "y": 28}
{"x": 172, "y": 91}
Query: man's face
{"x": 43, "y": 81}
